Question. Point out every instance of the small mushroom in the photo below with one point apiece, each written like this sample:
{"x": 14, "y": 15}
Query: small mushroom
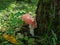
{"x": 31, "y": 21}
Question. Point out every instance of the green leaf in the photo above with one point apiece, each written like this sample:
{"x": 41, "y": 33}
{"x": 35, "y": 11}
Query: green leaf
{"x": 54, "y": 35}
{"x": 31, "y": 40}
{"x": 30, "y": 44}
{"x": 54, "y": 41}
{"x": 26, "y": 37}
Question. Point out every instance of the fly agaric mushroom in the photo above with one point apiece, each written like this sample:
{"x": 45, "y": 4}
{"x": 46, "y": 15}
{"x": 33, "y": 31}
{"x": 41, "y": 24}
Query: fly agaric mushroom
{"x": 31, "y": 21}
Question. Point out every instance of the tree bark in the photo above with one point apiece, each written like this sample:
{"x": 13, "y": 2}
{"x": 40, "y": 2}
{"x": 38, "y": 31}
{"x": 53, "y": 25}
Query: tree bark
{"x": 48, "y": 18}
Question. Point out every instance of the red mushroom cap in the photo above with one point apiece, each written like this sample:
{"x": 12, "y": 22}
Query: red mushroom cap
{"x": 29, "y": 19}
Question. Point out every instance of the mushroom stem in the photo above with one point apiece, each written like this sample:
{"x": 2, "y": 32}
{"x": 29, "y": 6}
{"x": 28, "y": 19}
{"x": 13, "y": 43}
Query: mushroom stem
{"x": 31, "y": 30}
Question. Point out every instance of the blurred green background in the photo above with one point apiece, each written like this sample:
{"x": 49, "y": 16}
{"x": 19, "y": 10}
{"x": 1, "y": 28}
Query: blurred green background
{"x": 10, "y": 17}
{"x": 11, "y": 12}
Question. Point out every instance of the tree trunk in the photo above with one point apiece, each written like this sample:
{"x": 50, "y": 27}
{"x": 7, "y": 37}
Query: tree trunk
{"x": 48, "y": 18}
